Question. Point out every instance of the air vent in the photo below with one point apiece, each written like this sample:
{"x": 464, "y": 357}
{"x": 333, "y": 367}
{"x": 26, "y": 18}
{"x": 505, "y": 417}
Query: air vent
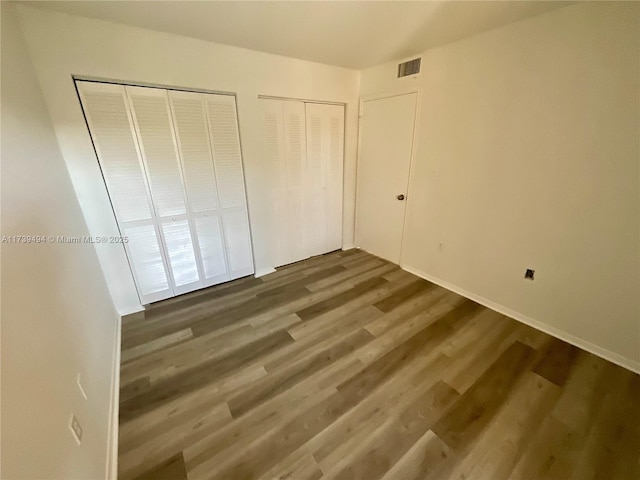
{"x": 412, "y": 67}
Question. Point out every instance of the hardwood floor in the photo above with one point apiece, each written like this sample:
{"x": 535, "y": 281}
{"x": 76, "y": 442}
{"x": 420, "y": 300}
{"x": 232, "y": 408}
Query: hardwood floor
{"x": 344, "y": 366}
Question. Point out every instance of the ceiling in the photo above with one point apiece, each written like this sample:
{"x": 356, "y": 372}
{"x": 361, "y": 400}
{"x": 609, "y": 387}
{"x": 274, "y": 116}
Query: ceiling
{"x": 358, "y": 34}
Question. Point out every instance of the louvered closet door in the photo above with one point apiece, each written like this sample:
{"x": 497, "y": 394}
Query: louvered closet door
{"x": 227, "y": 159}
{"x": 154, "y": 127}
{"x": 274, "y": 145}
{"x": 192, "y": 132}
{"x": 285, "y": 150}
{"x": 110, "y": 124}
{"x": 325, "y": 140}
{"x": 295, "y": 165}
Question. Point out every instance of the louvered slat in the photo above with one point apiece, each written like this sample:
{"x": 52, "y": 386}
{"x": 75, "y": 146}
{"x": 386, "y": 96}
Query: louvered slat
{"x": 325, "y": 137}
{"x": 316, "y": 215}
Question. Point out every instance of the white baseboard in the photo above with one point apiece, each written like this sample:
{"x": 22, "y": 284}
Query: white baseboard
{"x": 263, "y": 272}
{"x": 112, "y": 435}
{"x": 538, "y": 325}
{"x": 348, "y": 247}
{"x": 130, "y": 310}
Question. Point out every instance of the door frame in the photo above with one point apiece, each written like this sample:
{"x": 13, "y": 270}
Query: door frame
{"x": 380, "y": 96}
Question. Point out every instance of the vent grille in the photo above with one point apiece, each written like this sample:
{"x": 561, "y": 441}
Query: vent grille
{"x": 412, "y": 67}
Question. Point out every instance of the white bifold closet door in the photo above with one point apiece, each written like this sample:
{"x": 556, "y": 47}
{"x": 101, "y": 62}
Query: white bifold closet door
{"x": 172, "y": 165}
{"x": 304, "y": 144}
{"x": 325, "y": 153}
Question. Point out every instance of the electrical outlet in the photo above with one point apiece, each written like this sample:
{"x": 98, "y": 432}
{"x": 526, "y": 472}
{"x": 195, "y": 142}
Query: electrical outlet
{"x": 76, "y": 429}
{"x": 529, "y": 274}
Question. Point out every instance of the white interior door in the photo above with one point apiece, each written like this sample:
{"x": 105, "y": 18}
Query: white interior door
{"x": 111, "y": 127}
{"x": 386, "y": 141}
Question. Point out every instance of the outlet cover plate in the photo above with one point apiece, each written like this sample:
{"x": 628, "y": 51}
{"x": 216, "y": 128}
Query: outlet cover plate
{"x": 76, "y": 429}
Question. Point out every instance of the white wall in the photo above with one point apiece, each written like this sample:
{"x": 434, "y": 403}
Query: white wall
{"x": 527, "y": 156}
{"x": 63, "y": 45}
{"x": 57, "y": 316}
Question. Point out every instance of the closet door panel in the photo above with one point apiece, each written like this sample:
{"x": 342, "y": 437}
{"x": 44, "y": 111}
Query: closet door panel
{"x": 179, "y": 244}
{"x": 110, "y": 124}
{"x": 106, "y": 111}
{"x": 295, "y": 174}
{"x": 223, "y": 130}
{"x": 316, "y": 215}
{"x": 153, "y": 124}
{"x": 195, "y": 150}
{"x": 325, "y": 144}
{"x": 211, "y": 242}
{"x": 236, "y": 229}
{"x": 334, "y": 183}
{"x": 147, "y": 261}
{"x": 273, "y": 116}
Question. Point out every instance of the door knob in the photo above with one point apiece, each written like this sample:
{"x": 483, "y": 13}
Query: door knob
{"x": 400, "y": 197}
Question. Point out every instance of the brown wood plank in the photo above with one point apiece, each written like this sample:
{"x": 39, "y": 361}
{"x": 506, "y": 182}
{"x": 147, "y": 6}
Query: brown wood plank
{"x": 557, "y": 361}
{"x": 281, "y": 380}
{"x": 200, "y": 376}
{"x": 475, "y": 409}
{"x": 338, "y": 300}
{"x": 172, "y": 469}
{"x": 397, "y": 438}
{"x": 405, "y": 294}
{"x": 387, "y": 365}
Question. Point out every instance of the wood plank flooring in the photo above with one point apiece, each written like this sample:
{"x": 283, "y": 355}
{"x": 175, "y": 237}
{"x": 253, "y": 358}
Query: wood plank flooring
{"x": 343, "y": 366}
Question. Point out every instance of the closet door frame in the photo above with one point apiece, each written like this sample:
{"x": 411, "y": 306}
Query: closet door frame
{"x": 416, "y": 128}
{"x": 172, "y": 291}
{"x": 304, "y": 103}
{"x": 144, "y": 298}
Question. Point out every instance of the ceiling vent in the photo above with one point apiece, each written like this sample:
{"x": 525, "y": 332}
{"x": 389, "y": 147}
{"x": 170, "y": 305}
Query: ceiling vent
{"x": 411, "y": 67}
